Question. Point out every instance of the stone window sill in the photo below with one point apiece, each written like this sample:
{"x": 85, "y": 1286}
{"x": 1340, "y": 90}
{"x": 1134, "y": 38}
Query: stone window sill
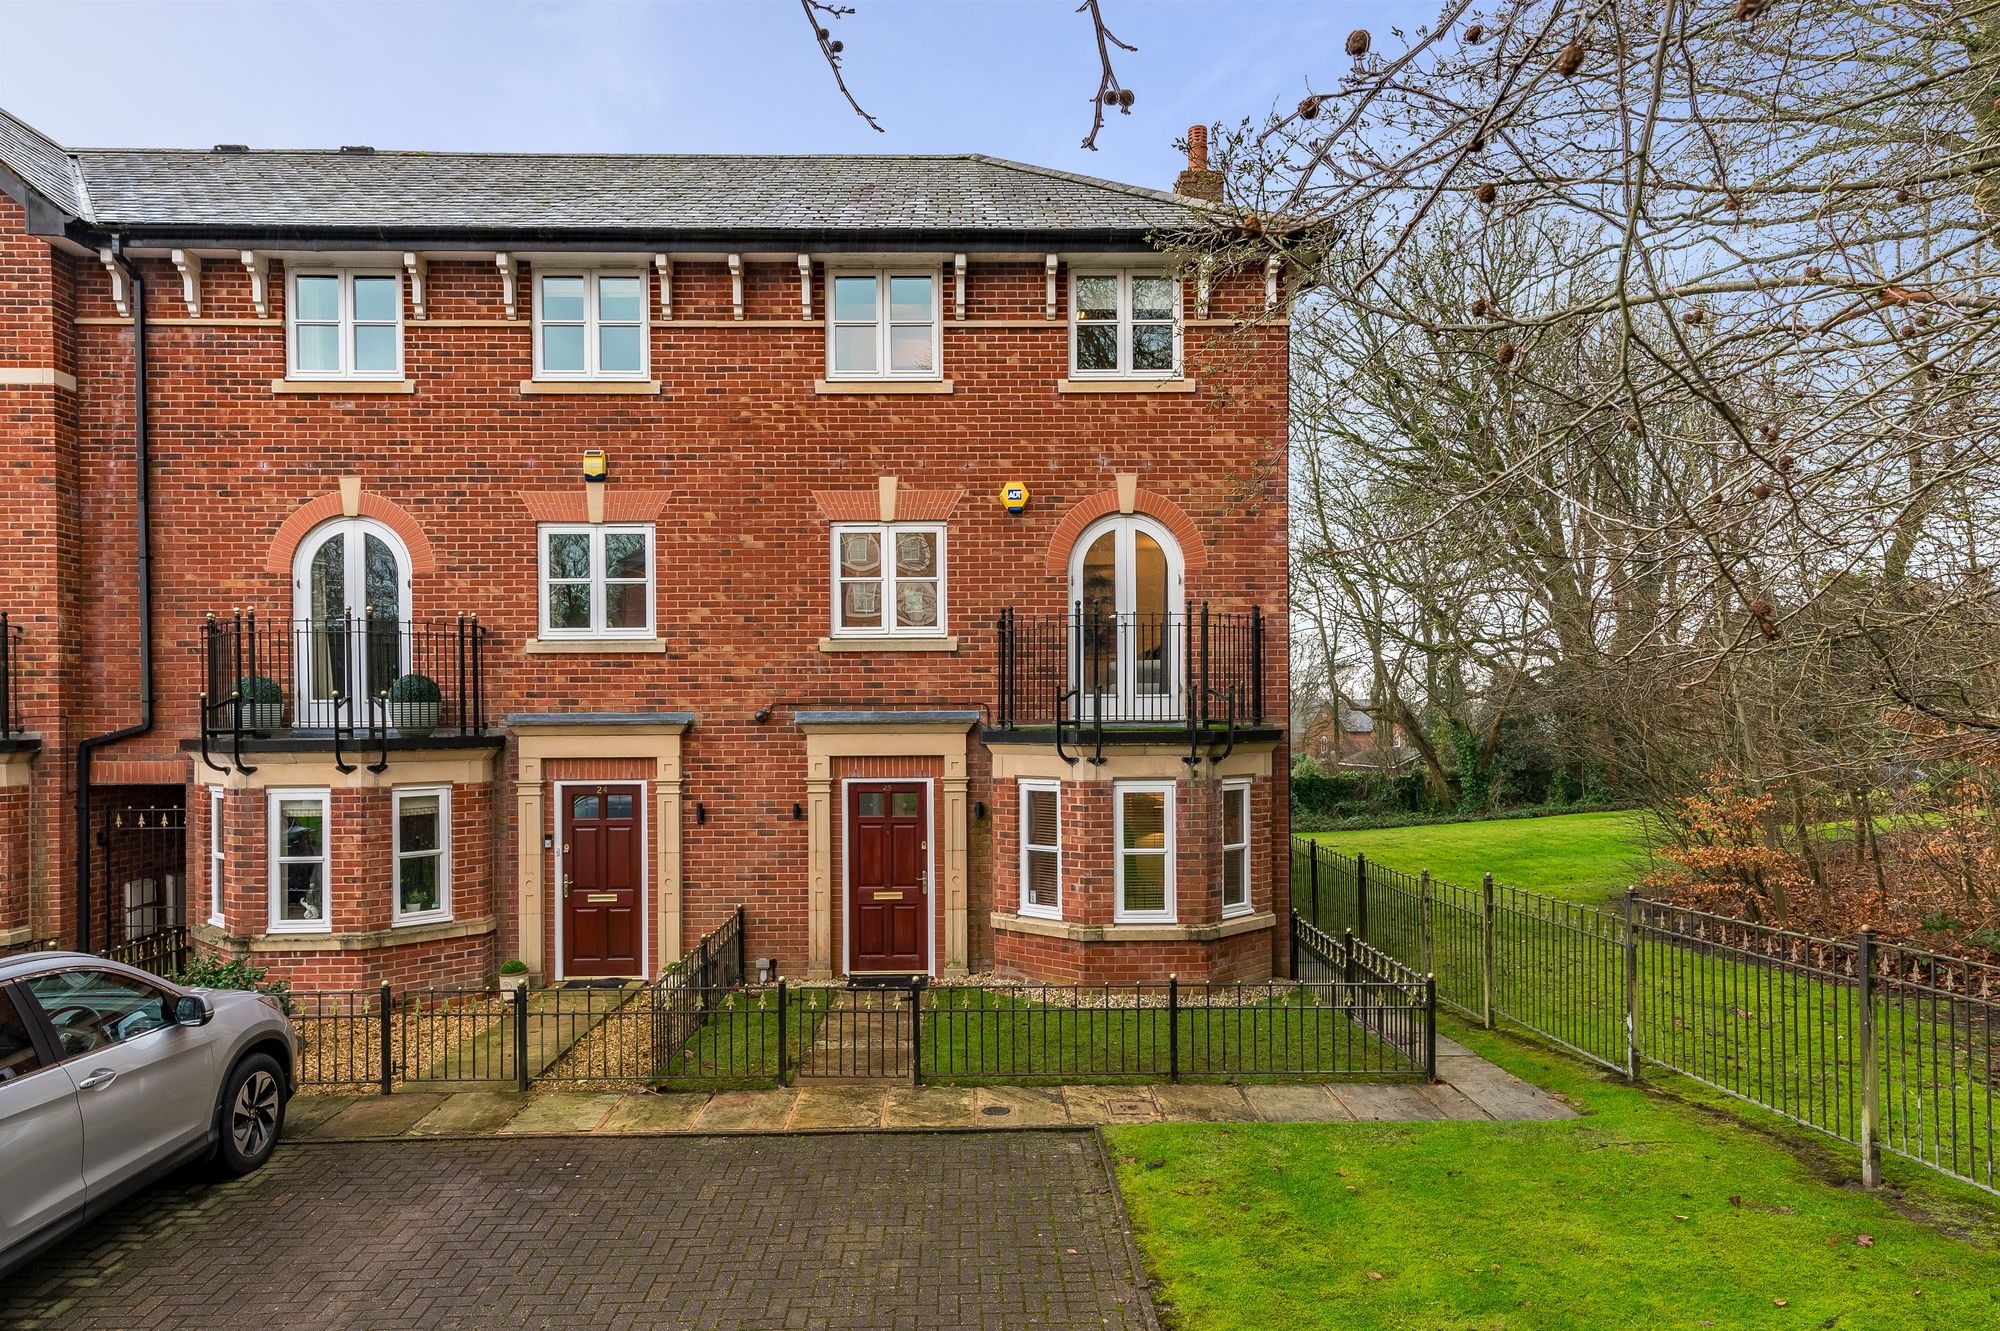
{"x": 429, "y": 932}
{"x": 888, "y": 644}
{"x": 343, "y": 387}
{"x": 1132, "y": 933}
{"x": 848, "y": 386}
{"x": 590, "y": 387}
{"x": 593, "y": 646}
{"x": 1125, "y": 385}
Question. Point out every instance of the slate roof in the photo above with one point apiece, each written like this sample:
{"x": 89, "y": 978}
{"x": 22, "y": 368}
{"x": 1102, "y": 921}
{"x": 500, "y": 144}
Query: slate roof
{"x": 388, "y": 193}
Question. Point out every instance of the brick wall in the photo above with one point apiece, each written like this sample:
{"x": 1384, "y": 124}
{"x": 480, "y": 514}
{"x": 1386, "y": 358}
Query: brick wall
{"x": 738, "y": 442}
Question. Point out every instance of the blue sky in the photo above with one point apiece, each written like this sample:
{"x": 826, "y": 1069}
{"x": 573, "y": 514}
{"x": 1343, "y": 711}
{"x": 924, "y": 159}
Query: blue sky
{"x": 1009, "y": 77}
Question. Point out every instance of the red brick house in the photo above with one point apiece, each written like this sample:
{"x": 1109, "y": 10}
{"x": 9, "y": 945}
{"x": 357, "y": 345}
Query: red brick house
{"x": 537, "y": 556}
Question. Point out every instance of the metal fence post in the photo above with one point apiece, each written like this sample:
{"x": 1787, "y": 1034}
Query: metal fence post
{"x": 741, "y": 967}
{"x": 382, "y": 1033}
{"x": 1173, "y": 1028}
{"x": 1489, "y": 953}
{"x": 1315, "y": 886}
{"x": 521, "y": 1037}
{"x": 1424, "y": 921}
{"x": 917, "y": 1031}
{"x": 1431, "y": 1026}
{"x": 1360, "y": 896}
{"x": 784, "y": 1053}
{"x": 1871, "y": 1073}
{"x": 1631, "y": 988}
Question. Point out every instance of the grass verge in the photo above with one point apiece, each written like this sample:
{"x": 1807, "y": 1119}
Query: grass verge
{"x": 1588, "y": 857}
{"x": 1648, "y": 1211}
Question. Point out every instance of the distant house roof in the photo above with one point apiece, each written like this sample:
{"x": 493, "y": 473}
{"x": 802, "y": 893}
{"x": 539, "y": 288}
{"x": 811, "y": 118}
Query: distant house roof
{"x": 386, "y": 195}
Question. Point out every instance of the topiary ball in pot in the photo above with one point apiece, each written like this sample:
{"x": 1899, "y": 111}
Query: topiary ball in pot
{"x": 260, "y": 704}
{"x": 414, "y": 703}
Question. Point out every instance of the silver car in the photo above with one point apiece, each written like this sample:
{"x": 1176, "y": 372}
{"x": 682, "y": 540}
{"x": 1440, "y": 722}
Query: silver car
{"x": 111, "y": 1077}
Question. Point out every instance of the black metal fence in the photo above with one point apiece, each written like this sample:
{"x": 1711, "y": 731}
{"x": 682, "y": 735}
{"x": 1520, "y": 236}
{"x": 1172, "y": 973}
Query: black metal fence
{"x": 1090, "y": 669}
{"x": 701, "y": 1025}
{"x": 10, "y": 692}
{"x": 30, "y": 945}
{"x": 1882, "y": 1045}
{"x": 348, "y": 676}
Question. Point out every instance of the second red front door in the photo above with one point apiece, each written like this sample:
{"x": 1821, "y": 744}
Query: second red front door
{"x": 602, "y": 853}
{"x": 888, "y": 877}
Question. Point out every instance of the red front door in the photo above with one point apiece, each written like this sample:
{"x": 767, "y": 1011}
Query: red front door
{"x": 603, "y": 849}
{"x": 888, "y": 877}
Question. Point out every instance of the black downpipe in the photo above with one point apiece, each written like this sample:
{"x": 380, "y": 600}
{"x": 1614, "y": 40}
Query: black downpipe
{"x": 143, "y": 494}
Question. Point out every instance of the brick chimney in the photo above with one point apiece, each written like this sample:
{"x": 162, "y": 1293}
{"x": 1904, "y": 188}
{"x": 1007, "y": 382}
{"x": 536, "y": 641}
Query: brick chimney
{"x": 1198, "y": 182}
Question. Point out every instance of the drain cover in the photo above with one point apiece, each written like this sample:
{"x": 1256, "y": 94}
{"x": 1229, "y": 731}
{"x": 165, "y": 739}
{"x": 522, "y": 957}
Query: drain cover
{"x": 997, "y": 1110}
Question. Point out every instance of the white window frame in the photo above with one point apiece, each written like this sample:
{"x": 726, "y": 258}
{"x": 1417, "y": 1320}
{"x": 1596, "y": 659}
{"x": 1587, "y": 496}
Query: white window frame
{"x": 596, "y": 532}
{"x": 1022, "y": 903}
{"x": 274, "y": 803}
{"x": 397, "y": 855}
{"x": 217, "y": 845}
{"x": 1124, "y": 323}
{"x": 1119, "y": 790}
{"x": 1235, "y": 789}
{"x": 883, "y": 322}
{"x": 885, "y": 532}
{"x": 344, "y": 320}
{"x": 591, "y": 323}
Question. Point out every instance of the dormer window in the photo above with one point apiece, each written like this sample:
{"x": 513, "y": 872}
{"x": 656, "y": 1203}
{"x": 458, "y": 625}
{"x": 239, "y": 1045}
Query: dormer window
{"x": 344, "y": 324}
{"x": 1124, "y": 325}
{"x": 590, "y": 325}
{"x": 883, "y": 324}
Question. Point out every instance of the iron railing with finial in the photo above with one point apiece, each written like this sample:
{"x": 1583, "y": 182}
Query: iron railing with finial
{"x": 360, "y": 678}
{"x": 10, "y": 690}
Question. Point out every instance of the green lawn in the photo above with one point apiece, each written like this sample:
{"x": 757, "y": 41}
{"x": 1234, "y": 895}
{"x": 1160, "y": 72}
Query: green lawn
{"x": 1578, "y": 856}
{"x": 985, "y": 1034}
{"x": 1646, "y": 1212}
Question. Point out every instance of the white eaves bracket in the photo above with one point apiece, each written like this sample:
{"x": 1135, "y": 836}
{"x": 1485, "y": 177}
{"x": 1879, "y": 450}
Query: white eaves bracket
{"x": 118, "y": 296}
{"x": 1049, "y": 306}
{"x": 665, "y": 268}
{"x": 509, "y": 294}
{"x": 259, "y": 269}
{"x": 413, "y": 263}
{"x": 188, "y": 264}
{"x": 805, "y": 286}
{"x": 736, "y": 284}
{"x": 958, "y": 289}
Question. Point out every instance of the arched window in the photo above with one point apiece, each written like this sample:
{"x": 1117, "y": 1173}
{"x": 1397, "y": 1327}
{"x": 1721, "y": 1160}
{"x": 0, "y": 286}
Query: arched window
{"x": 1126, "y": 587}
{"x": 350, "y": 612}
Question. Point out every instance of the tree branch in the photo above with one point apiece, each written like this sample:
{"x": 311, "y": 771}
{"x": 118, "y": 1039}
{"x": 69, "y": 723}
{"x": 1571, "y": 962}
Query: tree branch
{"x": 830, "y": 47}
{"x": 1109, "y": 93}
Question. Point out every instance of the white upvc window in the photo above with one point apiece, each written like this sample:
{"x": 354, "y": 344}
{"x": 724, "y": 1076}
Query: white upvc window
{"x": 215, "y": 856}
{"x": 1041, "y": 849}
{"x": 596, "y": 581}
{"x": 1124, "y": 325}
{"x": 344, "y": 323}
{"x": 888, "y": 579}
{"x": 422, "y": 851}
{"x": 884, "y": 324}
{"x": 1235, "y": 848}
{"x": 1143, "y": 830}
{"x": 299, "y": 832}
{"x": 590, "y": 325}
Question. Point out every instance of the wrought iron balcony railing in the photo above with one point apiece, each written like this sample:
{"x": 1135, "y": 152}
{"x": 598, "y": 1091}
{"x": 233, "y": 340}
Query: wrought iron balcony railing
{"x": 10, "y": 692}
{"x": 347, "y": 677}
{"x": 1093, "y": 675}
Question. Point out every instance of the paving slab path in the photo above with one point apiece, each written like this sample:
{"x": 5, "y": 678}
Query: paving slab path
{"x": 1469, "y": 1089}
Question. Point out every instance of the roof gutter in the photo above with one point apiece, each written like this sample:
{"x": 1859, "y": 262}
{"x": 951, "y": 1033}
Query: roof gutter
{"x": 143, "y": 496}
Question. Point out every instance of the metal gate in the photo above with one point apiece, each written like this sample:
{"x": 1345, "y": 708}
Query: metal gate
{"x": 144, "y": 893}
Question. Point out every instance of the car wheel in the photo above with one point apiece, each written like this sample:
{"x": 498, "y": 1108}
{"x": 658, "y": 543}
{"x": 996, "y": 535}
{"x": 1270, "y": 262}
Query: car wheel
{"x": 253, "y": 1113}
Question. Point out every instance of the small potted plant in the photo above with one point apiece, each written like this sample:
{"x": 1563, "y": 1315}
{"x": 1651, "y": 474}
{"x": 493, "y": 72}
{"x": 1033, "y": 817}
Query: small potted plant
{"x": 260, "y": 704}
{"x": 414, "y": 702}
{"x": 513, "y": 974}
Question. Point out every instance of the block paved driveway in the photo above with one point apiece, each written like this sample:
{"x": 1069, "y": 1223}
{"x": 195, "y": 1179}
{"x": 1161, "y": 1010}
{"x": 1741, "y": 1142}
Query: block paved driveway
{"x": 822, "y": 1233}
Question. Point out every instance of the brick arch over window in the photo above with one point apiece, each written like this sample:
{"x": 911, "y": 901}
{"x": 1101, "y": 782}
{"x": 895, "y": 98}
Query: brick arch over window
{"x": 1194, "y": 551}
{"x": 285, "y": 544}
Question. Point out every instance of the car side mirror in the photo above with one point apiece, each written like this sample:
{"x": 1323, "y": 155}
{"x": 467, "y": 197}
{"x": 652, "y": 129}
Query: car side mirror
{"x": 192, "y": 1010}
